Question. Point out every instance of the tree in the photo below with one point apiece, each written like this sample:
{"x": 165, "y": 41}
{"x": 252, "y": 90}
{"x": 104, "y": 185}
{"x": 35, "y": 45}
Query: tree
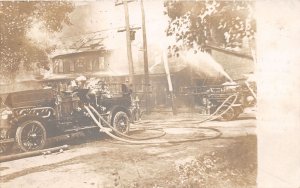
{"x": 16, "y": 19}
{"x": 225, "y": 23}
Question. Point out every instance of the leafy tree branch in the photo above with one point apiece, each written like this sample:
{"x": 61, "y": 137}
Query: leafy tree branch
{"x": 195, "y": 23}
{"x": 16, "y": 19}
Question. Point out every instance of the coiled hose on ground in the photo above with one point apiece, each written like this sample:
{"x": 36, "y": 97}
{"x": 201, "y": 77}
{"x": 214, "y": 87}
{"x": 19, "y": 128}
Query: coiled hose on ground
{"x": 132, "y": 140}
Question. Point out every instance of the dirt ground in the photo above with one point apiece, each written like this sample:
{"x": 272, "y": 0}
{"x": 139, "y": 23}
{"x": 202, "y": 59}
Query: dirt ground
{"x": 226, "y": 161}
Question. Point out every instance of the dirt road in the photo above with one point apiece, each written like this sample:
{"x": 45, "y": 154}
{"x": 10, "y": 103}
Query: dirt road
{"x": 227, "y": 161}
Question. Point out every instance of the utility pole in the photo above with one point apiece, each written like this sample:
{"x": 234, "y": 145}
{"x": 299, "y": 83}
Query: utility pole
{"x": 146, "y": 68}
{"x": 128, "y": 39}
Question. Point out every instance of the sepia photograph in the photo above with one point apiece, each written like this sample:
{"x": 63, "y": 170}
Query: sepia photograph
{"x": 149, "y": 93}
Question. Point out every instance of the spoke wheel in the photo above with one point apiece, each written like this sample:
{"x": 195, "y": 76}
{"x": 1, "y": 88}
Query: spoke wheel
{"x": 121, "y": 122}
{"x": 31, "y": 135}
{"x": 229, "y": 115}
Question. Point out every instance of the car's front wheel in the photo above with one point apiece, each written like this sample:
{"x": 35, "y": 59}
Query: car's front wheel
{"x": 228, "y": 115}
{"x": 31, "y": 135}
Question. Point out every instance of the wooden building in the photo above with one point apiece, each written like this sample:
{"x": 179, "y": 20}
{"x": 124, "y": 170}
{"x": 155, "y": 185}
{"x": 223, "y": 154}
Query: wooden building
{"x": 82, "y": 55}
{"x": 81, "y": 62}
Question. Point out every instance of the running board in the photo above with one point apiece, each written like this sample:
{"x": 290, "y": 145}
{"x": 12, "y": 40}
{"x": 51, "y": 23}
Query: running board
{"x": 10, "y": 140}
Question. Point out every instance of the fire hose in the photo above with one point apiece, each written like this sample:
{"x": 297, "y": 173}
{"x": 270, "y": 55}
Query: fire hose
{"x": 214, "y": 115}
{"x": 127, "y": 139}
{"x": 163, "y": 133}
{"x": 133, "y": 140}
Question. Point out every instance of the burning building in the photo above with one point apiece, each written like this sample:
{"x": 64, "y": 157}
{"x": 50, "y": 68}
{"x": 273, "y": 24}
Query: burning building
{"x": 86, "y": 55}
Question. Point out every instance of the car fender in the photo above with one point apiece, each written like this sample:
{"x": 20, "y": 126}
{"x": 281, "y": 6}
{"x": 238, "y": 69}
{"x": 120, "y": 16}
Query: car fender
{"x": 114, "y": 109}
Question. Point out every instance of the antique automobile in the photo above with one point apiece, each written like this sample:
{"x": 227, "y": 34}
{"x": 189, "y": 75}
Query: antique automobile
{"x": 28, "y": 118}
{"x": 214, "y": 98}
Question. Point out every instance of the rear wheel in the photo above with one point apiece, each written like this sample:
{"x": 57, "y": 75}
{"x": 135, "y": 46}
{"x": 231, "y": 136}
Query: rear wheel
{"x": 121, "y": 122}
{"x": 31, "y": 136}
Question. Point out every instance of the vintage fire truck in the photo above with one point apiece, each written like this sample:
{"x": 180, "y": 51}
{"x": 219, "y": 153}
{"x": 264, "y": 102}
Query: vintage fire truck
{"x": 28, "y": 118}
{"x": 213, "y": 98}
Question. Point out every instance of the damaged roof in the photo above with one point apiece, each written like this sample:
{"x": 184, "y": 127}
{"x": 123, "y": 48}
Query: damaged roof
{"x": 83, "y": 43}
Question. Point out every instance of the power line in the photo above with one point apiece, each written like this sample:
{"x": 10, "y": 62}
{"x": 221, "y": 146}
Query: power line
{"x": 99, "y": 31}
{"x": 93, "y": 32}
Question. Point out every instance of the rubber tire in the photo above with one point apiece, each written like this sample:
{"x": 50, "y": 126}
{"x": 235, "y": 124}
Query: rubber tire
{"x": 116, "y": 118}
{"x": 230, "y": 110}
{"x": 19, "y": 135}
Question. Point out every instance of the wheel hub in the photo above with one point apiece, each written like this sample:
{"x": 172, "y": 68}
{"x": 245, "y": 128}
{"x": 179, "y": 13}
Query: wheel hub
{"x": 33, "y": 135}
{"x": 122, "y": 123}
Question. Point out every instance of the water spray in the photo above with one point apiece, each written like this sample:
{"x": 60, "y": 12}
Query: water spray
{"x": 202, "y": 63}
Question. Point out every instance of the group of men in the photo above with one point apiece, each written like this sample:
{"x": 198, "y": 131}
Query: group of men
{"x": 96, "y": 86}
